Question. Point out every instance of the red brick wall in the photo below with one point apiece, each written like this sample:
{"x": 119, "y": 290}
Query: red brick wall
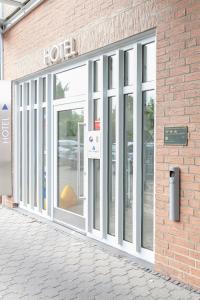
{"x": 97, "y": 23}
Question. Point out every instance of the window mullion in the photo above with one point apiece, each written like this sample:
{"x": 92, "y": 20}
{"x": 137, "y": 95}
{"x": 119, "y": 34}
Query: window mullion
{"x": 49, "y": 147}
{"x": 89, "y": 124}
{"x": 32, "y": 143}
{"x": 119, "y": 149}
{"x": 103, "y": 146}
{"x": 137, "y": 169}
{"x": 39, "y": 148}
{"x": 24, "y": 146}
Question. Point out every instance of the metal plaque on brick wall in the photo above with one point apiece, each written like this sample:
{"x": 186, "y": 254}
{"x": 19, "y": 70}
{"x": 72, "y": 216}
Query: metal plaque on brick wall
{"x": 176, "y": 135}
{"x": 5, "y": 138}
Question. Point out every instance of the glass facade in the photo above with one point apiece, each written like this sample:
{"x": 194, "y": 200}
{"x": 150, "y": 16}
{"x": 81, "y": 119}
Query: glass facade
{"x": 35, "y": 158}
{"x": 121, "y": 109}
{"x": 112, "y": 72}
{"x": 65, "y": 83}
{"x": 128, "y": 168}
{"x": 44, "y": 166}
{"x": 96, "y": 72}
{"x": 111, "y": 164}
{"x": 148, "y": 169}
{"x": 68, "y": 148}
{"x": 128, "y": 67}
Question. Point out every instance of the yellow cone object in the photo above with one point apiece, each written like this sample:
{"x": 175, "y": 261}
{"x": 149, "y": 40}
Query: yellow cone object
{"x": 67, "y": 198}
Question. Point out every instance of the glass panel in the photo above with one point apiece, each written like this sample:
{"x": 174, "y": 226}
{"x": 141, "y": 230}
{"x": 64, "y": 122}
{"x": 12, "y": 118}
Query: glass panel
{"x": 112, "y": 72}
{"x": 111, "y": 163}
{"x": 20, "y": 95}
{"x": 96, "y": 78}
{"x": 149, "y": 62}
{"x": 148, "y": 169}
{"x": 128, "y": 67}
{"x": 96, "y": 212}
{"x": 6, "y": 10}
{"x": 128, "y": 168}
{"x": 44, "y": 203}
{"x": 35, "y": 150}
{"x": 97, "y": 114}
{"x": 81, "y": 158}
{"x": 27, "y": 94}
{"x": 20, "y": 149}
{"x": 28, "y": 156}
{"x": 35, "y": 91}
{"x": 68, "y": 147}
{"x": 44, "y": 89}
{"x": 70, "y": 83}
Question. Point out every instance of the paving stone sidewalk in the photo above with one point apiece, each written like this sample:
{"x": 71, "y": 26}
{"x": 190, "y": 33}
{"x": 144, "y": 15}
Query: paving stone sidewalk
{"x": 40, "y": 261}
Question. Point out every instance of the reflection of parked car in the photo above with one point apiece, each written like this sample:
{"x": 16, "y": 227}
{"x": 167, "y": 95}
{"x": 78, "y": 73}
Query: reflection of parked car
{"x": 149, "y": 160}
{"x": 68, "y": 152}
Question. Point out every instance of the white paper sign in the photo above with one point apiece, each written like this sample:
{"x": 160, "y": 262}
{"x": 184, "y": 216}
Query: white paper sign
{"x": 94, "y": 144}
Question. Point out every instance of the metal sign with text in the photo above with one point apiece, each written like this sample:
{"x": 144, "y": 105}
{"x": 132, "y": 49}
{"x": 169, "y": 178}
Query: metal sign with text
{"x": 176, "y": 135}
{"x": 5, "y": 138}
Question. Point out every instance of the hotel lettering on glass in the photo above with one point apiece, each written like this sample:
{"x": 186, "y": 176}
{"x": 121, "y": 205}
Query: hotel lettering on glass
{"x": 5, "y": 138}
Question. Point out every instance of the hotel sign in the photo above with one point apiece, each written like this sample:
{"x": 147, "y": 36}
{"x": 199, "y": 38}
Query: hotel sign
{"x": 5, "y": 138}
{"x": 60, "y": 52}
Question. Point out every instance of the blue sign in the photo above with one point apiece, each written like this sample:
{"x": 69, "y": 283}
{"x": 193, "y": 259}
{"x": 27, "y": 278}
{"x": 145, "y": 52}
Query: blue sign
{"x": 5, "y": 107}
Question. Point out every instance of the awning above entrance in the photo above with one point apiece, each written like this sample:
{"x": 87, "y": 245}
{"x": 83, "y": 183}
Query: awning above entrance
{"x": 9, "y": 7}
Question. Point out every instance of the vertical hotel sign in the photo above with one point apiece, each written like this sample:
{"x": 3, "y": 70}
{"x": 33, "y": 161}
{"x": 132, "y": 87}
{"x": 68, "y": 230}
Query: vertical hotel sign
{"x": 5, "y": 138}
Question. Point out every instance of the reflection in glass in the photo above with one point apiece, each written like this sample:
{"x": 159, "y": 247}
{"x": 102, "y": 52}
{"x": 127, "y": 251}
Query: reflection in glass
{"x": 20, "y": 95}
{"x": 35, "y": 86}
{"x": 128, "y": 167}
{"x": 44, "y": 90}
{"x": 149, "y": 63}
{"x": 128, "y": 67}
{"x": 72, "y": 82}
{"x": 112, "y": 72}
{"x": 96, "y": 211}
{"x": 27, "y": 94}
{"x": 81, "y": 158}
{"x": 148, "y": 169}
{"x": 96, "y": 77}
{"x": 35, "y": 151}
{"x": 111, "y": 163}
{"x": 27, "y": 149}
{"x": 20, "y": 138}
{"x": 68, "y": 148}
{"x": 44, "y": 201}
{"x": 97, "y": 114}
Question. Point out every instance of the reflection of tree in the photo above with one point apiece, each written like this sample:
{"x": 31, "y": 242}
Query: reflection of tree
{"x": 148, "y": 141}
{"x": 68, "y": 124}
{"x": 149, "y": 120}
{"x": 129, "y": 118}
{"x": 59, "y": 90}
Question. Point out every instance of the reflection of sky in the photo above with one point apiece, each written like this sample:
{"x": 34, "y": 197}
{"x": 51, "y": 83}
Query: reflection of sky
{"x": 149, "y": 62}
{"x": 74, "y": 81}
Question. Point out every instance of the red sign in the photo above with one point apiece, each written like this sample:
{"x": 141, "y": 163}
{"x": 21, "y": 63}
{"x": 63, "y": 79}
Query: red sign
{"x": 97, "y": 124}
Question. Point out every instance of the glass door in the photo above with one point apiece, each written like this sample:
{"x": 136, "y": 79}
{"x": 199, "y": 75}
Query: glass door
{"x": 69, "y": 165}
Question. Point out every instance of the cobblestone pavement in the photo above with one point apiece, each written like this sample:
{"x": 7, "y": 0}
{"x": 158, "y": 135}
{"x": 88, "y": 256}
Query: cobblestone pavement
{"x": 38, "y": 260}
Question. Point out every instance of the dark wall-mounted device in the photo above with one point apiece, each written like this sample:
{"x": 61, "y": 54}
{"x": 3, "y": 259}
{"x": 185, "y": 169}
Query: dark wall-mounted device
{"x": 174, "y": 194}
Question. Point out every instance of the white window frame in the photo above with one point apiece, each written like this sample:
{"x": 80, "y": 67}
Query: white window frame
{"x": 137, "y": 89}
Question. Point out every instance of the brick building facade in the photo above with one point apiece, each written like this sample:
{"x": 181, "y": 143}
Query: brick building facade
{"x": 96, "y": 24}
